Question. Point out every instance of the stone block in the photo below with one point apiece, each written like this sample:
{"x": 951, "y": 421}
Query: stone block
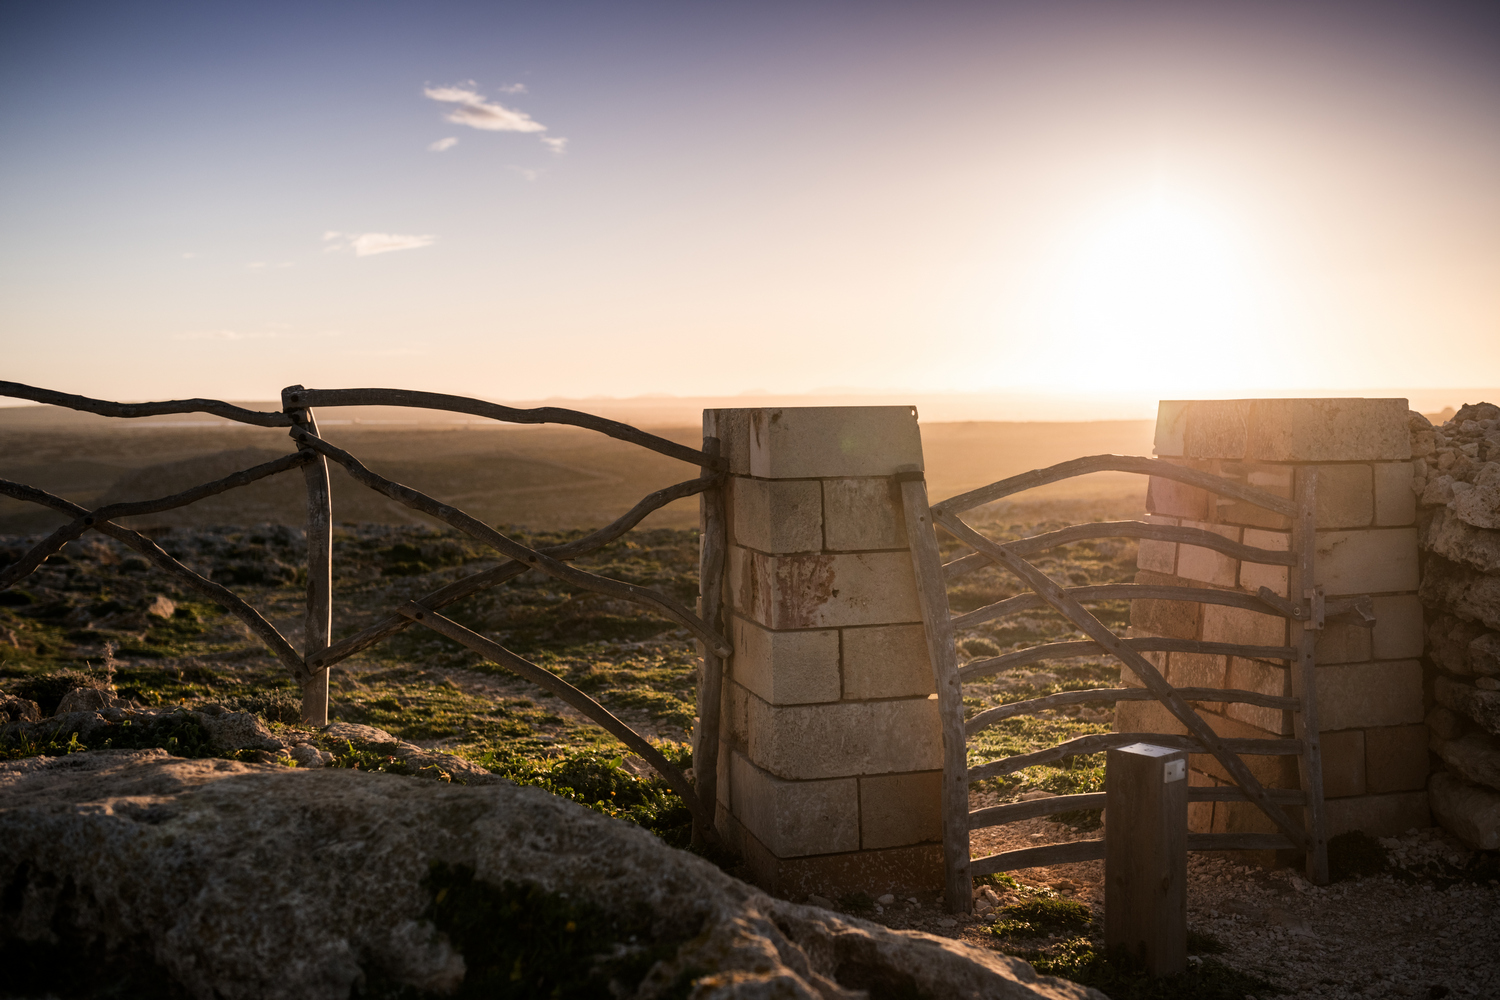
{"x": 823, "y": 590}
{"x": 777, "y": 517}
{"x": 1216, "y": 428}
{"x": 1344, "y": 767}
{"x": 905, "y": 871}
{"x": 1262, "y": 678}
{"x": 1395, "y": 503}
{"x": 1171, "y": 427}
{"x": 1470, "y": 812}
{"x": 1169, "y": 498}
{"x": 1158, "y": 557}
{"x": 1241, "y": 817}
{"x": 886, "y": 661}
{"x": 1274, "y": 479}
{"x": 1174, "y": 619}
{"x": 1270, "y": 771}
{"x": 1378, "y": 815}
{"x": 1343, "y": 644}
{"x": 1146, "y": 717}
{"x": 1194, "y": 562}
{"x": 1397, "y": 633}
{"x": 863, "y": 514}
{"x": 795, "y": 818}
{"x": 1395, "y": 757}
{"x": 732, "y": 428}
{"x": 1254, "y": 576}
{"x": 806, "y": 742}
{"x": 1197, "y": 670}
{"x": 803, "y": 442}
{"x": 900, "y": 809}
{"x": 1361, "y": 695}
{"x": 1345, "y": 496}
{"x": 1250, "y": 628}
{"x": 1378, "y": 560}
{"x": 1327, "y": 430}
{"x": 786, "y": 668}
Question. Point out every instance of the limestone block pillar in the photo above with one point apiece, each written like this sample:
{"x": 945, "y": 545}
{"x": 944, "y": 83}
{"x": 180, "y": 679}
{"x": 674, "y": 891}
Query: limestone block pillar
{"x": 830, "y": 759}
{"x": 1370, "y": 703}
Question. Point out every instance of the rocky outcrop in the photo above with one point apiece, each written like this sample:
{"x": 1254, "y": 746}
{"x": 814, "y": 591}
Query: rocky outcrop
{"x": 1457, "y": 480}
{"x": 211, "y": 878}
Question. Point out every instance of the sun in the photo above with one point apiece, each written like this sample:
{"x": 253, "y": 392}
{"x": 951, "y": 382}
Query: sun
{"x": 1161, "y": 292}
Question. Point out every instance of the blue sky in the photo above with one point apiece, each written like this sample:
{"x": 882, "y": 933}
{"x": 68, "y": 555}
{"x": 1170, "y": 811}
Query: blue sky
{"x": 769, "y": 196}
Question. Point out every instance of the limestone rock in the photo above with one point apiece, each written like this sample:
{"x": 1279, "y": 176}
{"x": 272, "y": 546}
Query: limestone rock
{"x": 1467, "y": 700}
{"x": 231, "y": 880}
{"x": 19, "y": 710}
{"x": 1470, "y": 812}
{"x": 1439, "y": 491}
{"x": 428, "y": 762}
{"x": 1476, "y": 756}
{"x": 85, "y": 700}
{"x": 1464, "y": 592}
{"x": 1444, "y": 723}
{"x": 1448, "y": 640}
{"x": 1456, "y": 541}
{"x": 1484, "y": 654}
{"x": 1479, "y": 504}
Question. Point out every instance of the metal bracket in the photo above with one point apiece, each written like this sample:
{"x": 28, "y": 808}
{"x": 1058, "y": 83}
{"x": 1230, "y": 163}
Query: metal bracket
{"x": 1316, "y": 608}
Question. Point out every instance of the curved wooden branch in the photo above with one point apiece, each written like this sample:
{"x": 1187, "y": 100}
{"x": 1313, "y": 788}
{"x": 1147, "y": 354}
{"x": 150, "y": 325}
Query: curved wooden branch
{"x": 1012, "y": 812}
{"x": 989, "y": 717}
{"x": 1120, "y": 592}
{"x": 1126, "y": 529}
{"x": 1039, "y": 857}
{"x": 1092, "y": 627}
{"x": 65, "y": 534}
{"x": 1108, "y": 741}
{"x": 109, "y": 408}
{"x": 674, "y": 778}
{"x": 1114, "y": 463}
{"x": 206, "y": 588}
{"x": 459, "y": 589}
{"x": 496, "y": 411}
{"x": 1153, "y": 644}
{"x": 479, "y": 531}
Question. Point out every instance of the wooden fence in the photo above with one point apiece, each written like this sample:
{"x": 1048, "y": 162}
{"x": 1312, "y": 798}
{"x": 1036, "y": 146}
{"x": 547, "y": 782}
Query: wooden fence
{"x": 1309, "y": 610}
{"x": 310, "y": 667}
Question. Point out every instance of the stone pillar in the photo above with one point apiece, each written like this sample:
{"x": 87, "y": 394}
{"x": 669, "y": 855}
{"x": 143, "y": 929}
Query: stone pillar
{"x": 1370, "y": 706}
{"x": 830, "y": 760}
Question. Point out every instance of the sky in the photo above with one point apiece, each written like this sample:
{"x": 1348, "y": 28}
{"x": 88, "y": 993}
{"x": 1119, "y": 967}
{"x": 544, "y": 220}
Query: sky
{"x": 531, "y": 200}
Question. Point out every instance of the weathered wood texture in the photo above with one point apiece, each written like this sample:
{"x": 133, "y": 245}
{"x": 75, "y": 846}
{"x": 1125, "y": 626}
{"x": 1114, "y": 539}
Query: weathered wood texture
{"x": 1059, "y": 599}
{"x": 109, "y": 408}
{"x": 1118, "y": 592}
{"x": 1304, "y": 675}
{"x": 481, "y": 532}
{"x": 1145, "y": 863}
{"x": 932, "y": 596}
{"x": 975, "y": 669}
{"x": 222, "y": 596}
{"x": 1107, "y": 741}
{"x": 39, "y": 552}
{"x": 1039, "y": 857}
{"x": 469, "y": 585}
{"x": 990, "y": 716}
{"x": 508, "y": 414}
{"x": 1011, "y": 812}
{"x": 318, "y": 612}
{"x": 523, "y": 667}
{"x": 1114, "y": 463}
{"x": 714, "y": 548}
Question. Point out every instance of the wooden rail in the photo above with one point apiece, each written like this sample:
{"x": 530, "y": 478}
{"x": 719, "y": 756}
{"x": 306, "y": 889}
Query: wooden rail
{"x": 991, "y": 716}
{"x": 311, "y": 668}
{"x": 975, "y": 669}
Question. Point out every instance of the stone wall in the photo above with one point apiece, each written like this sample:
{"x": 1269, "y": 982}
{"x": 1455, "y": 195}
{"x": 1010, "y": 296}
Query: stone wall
{"x": 1457, "y": 480}
{"x": 1369, "y": 681}
{"x": 830, "y": 761}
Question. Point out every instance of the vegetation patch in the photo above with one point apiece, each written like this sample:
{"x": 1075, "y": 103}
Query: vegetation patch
{"x": 1042, "y": 918}
{"x": 1082, "y": 961}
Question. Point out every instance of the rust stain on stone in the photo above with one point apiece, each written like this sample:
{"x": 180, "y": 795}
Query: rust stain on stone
{"x": 790, "y": 591}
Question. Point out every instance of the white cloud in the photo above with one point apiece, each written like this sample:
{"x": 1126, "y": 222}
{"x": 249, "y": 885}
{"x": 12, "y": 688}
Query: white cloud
{"x": 369, "y": 244}
{"x": 331, "y": 234}
{"x": 443, "y": 145}
{"x": 512, "y": 88}
{"x": 475, "y": 111}
{"x": 526, "y": 172}
{"x": 557, "y": 144}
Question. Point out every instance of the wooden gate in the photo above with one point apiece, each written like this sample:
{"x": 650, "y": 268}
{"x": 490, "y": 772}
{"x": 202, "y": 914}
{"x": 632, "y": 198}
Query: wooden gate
{"x": 1299, "y": 698}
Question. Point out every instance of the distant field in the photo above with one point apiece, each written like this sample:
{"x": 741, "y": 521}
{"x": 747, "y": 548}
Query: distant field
{"x": 542, "y": 477}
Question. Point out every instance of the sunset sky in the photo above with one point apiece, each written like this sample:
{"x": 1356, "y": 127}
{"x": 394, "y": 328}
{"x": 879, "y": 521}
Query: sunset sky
{"x": 565, "y": 199}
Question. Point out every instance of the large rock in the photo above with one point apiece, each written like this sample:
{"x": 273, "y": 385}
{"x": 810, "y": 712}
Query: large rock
{"x": 1475, "y": 703}
{"x": 1463, "y": 591}
{"x": 1448, "y": 536}
{"x": 218, "y": 879}
{"x": 1470, "y": 812}
{"x": 1479, "y": 504}
{"x": 1476, "y": 756}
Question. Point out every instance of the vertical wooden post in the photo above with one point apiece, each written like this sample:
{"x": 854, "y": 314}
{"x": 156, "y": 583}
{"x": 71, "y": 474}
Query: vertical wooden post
{"x": 932, "y": 593}
{"x": 1145, "y": 862}
{"x": 711, "y": 558}
{"x": 1304, "y": 674}
{"x": 319, "y": 618}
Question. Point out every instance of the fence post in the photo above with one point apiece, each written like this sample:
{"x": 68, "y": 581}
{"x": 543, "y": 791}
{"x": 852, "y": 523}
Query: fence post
{"x": 1145, "y": 864}
{"x": 319, "y": 620}
{"x": 710, "y": 608}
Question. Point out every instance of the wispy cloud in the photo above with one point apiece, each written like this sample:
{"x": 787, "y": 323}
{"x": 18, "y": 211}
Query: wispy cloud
{"x": 443, "y": 145}
{"x": 476, "y": 111}
{"x": 231, "y": 335}
{"x": 369, "y": 244}
{"x": 513, "y": 88}
{"x": 557, "y": 144}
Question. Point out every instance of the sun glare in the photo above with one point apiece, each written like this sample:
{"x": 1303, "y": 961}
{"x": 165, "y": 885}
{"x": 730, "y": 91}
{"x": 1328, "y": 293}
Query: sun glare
{"x": 1161, "y": 293}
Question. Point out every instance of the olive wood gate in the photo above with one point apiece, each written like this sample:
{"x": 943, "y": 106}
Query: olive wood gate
{"x": 312, "y": 455}
{"x": 1308, "y": 608}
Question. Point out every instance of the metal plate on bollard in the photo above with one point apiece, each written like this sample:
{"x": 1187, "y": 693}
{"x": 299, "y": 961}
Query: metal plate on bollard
{"x": 1173, "y": 770}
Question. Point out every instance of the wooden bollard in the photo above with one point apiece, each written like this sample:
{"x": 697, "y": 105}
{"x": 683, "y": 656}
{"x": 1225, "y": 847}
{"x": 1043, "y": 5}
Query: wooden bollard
{"x": 1145, "y": 864}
